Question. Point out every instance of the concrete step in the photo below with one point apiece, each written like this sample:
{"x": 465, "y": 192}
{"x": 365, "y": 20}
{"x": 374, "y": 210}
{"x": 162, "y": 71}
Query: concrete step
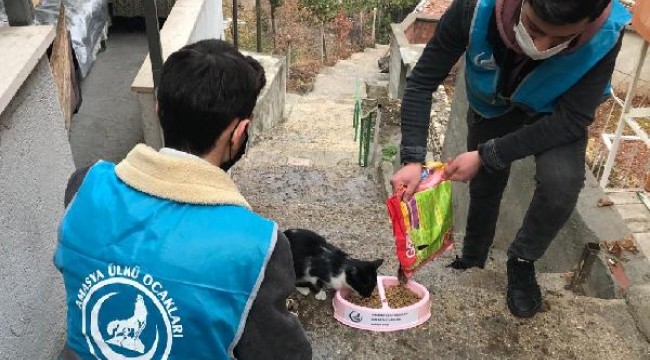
{"x": 318, "y": 151}
{"x": 307, "y": 101}
{"x": 317, "y": 134}
{"x": 306, "y": 155}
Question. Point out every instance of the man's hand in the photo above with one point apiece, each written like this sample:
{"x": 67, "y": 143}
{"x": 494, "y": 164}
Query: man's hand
{"x": 463, "y": 168}
{"x": 409, "y": 176}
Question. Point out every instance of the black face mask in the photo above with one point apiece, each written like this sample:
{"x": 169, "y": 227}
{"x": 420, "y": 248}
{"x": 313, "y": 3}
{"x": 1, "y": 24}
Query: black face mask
{"x": 234, "y": 158}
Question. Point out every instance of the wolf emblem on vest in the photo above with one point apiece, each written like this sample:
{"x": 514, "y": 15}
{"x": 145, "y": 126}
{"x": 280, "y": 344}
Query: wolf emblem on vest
{"x": 126, "y": 333}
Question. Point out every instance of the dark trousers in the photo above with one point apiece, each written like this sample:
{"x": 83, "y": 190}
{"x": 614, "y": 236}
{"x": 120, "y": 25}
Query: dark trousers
{"x": 559, "y": 177}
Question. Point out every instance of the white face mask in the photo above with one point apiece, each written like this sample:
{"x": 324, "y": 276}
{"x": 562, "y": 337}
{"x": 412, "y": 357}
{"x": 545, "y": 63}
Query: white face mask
{"x": 527, "y": 44}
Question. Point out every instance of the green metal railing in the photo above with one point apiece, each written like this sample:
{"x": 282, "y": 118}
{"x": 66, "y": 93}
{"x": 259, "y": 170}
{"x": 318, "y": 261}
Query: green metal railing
{"x": 363, "y": 124}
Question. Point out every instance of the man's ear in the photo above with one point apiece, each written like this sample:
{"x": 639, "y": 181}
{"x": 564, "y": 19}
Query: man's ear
{"x": 238, "y": 136}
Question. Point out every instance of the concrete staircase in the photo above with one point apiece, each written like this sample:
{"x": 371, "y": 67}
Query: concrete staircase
{"x": 303, "y": 173}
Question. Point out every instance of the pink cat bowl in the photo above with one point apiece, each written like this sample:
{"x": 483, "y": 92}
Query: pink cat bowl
{"x": 386, "y": 318}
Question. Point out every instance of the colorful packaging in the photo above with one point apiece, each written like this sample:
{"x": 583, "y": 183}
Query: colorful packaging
{"x": 423, "y": 225}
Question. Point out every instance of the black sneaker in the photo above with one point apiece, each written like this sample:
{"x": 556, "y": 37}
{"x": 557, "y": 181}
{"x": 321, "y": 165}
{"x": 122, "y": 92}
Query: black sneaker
{"x": 463, "y": 263}
{"x": 524, "y": 296}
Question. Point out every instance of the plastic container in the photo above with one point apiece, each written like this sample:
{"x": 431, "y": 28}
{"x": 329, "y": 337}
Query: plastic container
{"x": 386, "y": 318}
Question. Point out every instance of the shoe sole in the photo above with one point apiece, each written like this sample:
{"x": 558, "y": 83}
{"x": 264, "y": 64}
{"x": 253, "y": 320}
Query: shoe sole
{"x": 524, "y": 314}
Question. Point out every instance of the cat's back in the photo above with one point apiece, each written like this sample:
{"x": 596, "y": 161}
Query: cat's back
{"x": 305, "y": 242}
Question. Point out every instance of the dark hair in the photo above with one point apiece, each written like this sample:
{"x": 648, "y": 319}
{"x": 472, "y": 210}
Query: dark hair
{"x": 563, "y": 12}
{"x": 203, "y": 88}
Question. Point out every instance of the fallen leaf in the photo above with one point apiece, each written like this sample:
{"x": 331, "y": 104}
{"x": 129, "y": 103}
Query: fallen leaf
{"x": 616, "y": 247}
{"x": 292, "y": 306}
{"x": 628, "y": 244}
{"x": 604, "y": 202}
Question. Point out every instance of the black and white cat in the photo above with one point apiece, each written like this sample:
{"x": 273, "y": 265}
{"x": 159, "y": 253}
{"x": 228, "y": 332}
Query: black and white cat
{"x": 321, "y": 265}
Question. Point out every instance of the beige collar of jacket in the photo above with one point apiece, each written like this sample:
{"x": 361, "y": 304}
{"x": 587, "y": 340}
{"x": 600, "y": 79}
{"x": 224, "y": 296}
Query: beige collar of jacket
{"x": 181, "y": 179}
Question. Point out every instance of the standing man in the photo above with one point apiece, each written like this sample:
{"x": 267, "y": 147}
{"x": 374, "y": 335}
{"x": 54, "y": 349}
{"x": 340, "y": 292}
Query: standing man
{"x": 536, "y": 70}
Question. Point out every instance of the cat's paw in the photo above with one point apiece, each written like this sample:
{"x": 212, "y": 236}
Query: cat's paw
{"x": 303, "y": 290}
{"x": 321, "y": 295}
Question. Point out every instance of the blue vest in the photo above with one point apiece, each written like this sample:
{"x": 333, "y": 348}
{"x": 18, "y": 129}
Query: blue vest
{"x": 541, "y": 88}
{"x": 148, "y": 278}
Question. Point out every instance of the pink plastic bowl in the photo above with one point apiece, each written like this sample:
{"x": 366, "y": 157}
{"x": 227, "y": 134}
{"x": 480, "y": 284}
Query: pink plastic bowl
{"x": 386, "y": 318}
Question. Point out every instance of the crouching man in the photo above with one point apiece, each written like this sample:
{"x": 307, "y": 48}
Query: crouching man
{"x": 161, "y": 256}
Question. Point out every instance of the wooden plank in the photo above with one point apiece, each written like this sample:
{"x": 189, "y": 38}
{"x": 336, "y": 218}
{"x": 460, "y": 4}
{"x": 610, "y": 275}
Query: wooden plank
{"x": 62, "y": 67}
{"x": 21, "y": 48}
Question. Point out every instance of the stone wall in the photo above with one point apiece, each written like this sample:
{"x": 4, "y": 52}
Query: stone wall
{"x": 270, "y": 105}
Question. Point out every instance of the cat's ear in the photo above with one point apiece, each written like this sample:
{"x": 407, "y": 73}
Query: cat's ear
{"x": 377, "y": 263}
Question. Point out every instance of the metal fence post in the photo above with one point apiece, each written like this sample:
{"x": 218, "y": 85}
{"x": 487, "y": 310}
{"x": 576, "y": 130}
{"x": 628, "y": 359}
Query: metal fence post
{"x": 153, "y": 38}
{"x": 609, "y": 164}
{"x": 235, "y": 25}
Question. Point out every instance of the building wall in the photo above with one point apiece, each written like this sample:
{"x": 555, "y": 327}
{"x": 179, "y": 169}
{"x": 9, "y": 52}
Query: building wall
{"x": 35, "y": 163}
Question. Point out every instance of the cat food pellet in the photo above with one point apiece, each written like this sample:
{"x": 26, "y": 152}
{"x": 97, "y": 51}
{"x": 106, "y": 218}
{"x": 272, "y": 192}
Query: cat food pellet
{"x": 397, "y": 296}
{"x": 400, "y": 296}
{"x": 372, "y": 302}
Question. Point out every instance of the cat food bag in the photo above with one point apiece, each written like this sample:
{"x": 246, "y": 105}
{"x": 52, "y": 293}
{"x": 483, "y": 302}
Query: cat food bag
{"x": 423, "y": 225}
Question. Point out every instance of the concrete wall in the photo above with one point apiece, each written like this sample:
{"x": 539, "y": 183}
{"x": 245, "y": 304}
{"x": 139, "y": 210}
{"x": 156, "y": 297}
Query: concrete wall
{"x": 269, "y": 110}
{"x": 588, "y": 223}
{"x": 407, "y": 42}
{"x": 35, "y": 163}
{"x": 209, "y": 24}
{"x": 397, "y": 70}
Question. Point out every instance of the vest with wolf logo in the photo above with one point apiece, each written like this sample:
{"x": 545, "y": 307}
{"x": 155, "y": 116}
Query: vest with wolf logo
{"x": 147, "y": 278}
{"x": 540, "y": 90}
